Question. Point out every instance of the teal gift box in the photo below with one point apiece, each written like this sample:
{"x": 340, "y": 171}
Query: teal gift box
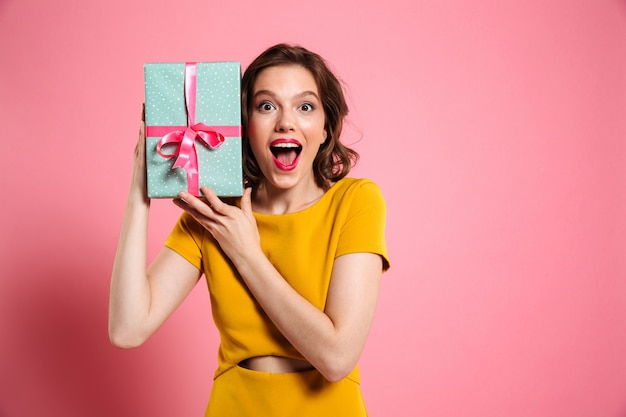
{"x": 193, "y": 128}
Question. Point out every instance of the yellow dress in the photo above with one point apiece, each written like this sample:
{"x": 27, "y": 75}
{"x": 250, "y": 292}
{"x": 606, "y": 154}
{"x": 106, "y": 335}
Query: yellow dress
{"x": 349, "y": 218}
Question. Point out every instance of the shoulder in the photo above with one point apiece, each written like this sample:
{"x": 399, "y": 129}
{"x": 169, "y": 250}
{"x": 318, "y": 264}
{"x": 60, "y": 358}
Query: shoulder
{"x": 363, "y": 218}
{"x": 361, "y": 189}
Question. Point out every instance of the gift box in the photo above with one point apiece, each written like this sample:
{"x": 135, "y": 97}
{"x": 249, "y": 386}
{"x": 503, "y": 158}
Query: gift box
{"x": 193, "y": 128}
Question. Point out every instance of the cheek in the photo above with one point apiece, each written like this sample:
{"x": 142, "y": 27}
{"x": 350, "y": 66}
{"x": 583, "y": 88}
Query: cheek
{"x": 257, "y": 127}
{"x": 253, "y": 133}
{"x": 316, "y": 129}
{"x": 255, "y": 141}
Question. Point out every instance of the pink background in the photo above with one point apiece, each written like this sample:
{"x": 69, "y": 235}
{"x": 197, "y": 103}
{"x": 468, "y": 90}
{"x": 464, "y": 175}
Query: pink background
{"x": 495, "y": 129}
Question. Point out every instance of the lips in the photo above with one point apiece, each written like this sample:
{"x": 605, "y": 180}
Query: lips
{"x": 286, "y": 153}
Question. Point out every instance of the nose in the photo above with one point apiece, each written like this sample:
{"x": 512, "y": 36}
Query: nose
{"x": 285, "y": 122}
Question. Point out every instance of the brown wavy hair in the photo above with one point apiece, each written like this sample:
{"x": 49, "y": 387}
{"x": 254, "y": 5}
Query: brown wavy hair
{"x": 334, "y": 160}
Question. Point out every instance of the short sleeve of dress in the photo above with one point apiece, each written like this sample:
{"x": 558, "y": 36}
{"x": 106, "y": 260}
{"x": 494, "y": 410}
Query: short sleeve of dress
{"x": 364, "y": 227}
{"x": 186, "y": 240}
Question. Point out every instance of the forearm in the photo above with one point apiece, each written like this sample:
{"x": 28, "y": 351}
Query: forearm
{"x": 327, "y": 345}
{"x": 130, "y": 290}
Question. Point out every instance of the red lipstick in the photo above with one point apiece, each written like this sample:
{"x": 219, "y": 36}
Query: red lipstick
{"x": 286, "y": 153}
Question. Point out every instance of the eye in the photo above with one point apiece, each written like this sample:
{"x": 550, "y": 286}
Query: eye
{"x": 306, "y": 107}
{"x": 265, "y": 106}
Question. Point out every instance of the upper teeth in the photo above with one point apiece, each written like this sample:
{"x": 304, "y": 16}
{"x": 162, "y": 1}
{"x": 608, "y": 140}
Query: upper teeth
{"x": 286, "y": 145}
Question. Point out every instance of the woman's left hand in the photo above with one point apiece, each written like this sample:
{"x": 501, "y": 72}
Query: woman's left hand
{"x": 232, "y": 227}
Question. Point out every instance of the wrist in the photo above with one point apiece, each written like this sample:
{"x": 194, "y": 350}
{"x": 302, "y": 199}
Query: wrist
{"x": 251, "y": 261}
{"x": 138, "y": 190}
{"x": 138, "y": 196}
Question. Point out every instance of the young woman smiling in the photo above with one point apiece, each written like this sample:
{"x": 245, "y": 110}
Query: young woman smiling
{"x": 293, "y": 267}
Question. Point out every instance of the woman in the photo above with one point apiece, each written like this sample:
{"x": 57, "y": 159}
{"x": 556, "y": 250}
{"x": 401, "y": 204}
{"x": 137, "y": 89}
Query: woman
{"x": 293, "y": 267}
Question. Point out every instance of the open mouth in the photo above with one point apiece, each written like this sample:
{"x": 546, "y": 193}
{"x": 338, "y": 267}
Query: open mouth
{"x": 286, "y": 153}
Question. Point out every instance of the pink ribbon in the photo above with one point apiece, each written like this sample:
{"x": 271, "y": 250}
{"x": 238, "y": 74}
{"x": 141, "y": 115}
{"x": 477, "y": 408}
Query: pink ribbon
{"x": 186, "y": 153}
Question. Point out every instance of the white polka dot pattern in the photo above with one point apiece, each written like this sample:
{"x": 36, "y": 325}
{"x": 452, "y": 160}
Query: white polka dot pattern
{"x": 217, "y": 104}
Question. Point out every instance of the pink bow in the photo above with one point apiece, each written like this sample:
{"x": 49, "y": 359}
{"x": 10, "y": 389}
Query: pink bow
{"x": 186, "y": 153}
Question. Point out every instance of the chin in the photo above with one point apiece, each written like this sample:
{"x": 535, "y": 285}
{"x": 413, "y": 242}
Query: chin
{"x": 285, "y": 180}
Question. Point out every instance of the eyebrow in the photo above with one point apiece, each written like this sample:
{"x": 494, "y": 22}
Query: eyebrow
{"x": 299, "y": 95}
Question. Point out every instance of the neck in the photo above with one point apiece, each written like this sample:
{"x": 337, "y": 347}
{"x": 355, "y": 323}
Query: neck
{"x": 271, "y": 200}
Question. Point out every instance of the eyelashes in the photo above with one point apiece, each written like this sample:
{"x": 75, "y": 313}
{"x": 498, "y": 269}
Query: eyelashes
{"x": 267, "y": 106}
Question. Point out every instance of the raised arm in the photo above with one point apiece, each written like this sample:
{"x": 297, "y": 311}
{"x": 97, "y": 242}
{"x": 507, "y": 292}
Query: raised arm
{"x": 140, "y": 299}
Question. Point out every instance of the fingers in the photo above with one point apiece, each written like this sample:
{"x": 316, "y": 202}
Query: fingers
{"x": 212, "y": 206}
{"x": 142, "y": 125}
{"x": 246, "y": 200}
{"x": 139, "y": 179}
{"x": 214, "y": 201}
{"x": 188, "y": 200}
{"x": 183, "y": 203}
{"x": 140, "y": 148}
{"x": 233, "y": 228}
{"x": 198, "y": 208}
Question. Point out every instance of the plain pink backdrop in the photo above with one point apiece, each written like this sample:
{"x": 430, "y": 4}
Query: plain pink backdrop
{"x": 497, "y": 131}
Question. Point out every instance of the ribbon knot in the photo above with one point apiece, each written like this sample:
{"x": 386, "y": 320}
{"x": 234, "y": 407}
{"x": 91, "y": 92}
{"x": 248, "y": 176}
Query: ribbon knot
{"x": 186, "y": 153}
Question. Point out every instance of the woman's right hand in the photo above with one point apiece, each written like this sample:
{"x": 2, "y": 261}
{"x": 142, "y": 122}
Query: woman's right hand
{"x": 139, "y": 188}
